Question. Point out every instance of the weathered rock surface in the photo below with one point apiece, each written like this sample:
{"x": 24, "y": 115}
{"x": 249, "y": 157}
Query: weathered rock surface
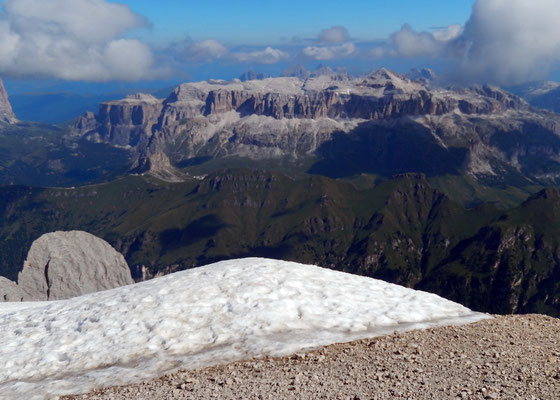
{"x": 496, "y": 132}
{"x": 62, "y": 265}
{"x": 6, "y": 112}
{"x": 381, "y": 95}
{"x": 9, "y": 290}
{"x": 124, "y": 122}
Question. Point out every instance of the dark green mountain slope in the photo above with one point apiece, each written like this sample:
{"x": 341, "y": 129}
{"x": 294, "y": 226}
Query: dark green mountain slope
{"x": 44, "y": 155}
{"x": 401, "y": 230}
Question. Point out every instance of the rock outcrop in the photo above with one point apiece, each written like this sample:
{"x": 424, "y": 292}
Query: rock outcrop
{"x": 62, "y": 265}
{"x": 124, "y": 122}
{"x": 9, "y": 290}
{"x": 426, "y": 75}
{"x": 6, "y": 112}
{"x": 253, "y": 76}
{"x": 381, "y": 95}
{"x": 290, "y": 117}
{"x": 298, "y": 71}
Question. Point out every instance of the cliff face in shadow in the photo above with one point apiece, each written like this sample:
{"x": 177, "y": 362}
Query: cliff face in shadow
{"x": 387, "y": 150}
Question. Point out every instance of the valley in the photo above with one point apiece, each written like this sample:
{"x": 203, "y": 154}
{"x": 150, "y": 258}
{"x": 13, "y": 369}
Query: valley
{"x": 401, "y": 230}
{"x": 445, "y": 190}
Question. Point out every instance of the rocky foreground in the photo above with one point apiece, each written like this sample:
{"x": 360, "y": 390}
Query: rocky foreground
{"x": 512, "y": 357}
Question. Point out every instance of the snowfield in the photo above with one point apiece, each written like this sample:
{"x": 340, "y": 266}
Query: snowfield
{"x": 226, "y": 311}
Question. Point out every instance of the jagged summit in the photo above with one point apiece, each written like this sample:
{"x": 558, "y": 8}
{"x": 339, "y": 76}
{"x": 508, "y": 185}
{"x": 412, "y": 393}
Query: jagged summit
{"x": 6, "y": 112}
{"x": 299, "y": 71}
{"x": 253, "y": 76}
{"x": 322, "y": 70}
{"x": 383, "y": 73}
{"x": 424, "y": 74}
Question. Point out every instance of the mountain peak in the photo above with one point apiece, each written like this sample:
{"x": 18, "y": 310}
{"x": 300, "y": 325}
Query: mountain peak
{"x": 424, "y": 74}
{"x": 323, "y": 70}
{"x": 299, "y": 71}
{"x": 252, "y": 75}
{"x": 387, "y": 74}
{"x": 6, "y": 112}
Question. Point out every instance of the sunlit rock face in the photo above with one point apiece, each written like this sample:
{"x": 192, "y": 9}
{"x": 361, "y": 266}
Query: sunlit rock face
{"x": 488, "y": 133}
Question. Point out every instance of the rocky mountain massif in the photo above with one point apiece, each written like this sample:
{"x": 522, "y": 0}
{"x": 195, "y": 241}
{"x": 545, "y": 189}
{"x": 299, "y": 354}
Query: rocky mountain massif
{"x": 61, "y": 265}
{"x": 409, "y": 230}
{"x": 544, "y": 95}
{"x": 383, "y": 123}
{"x": 401, "y": 230}
{"x": 322, "y": 122}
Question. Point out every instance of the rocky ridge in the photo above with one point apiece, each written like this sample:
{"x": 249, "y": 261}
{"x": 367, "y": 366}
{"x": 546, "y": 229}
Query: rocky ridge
{"x": 540, "y": 94}
{"x": 6, "y": 112}
{"x": 62, "y": 265}
{"x": 293, "y": 117}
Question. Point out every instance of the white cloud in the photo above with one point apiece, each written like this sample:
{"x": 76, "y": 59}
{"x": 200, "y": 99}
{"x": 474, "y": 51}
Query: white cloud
{"x": 331, "y": 43}
{"x": 511, "y": 41}
{"x": 72, "y": 40}
{"x": 266, "y": 56}
{"x": 329, "y": 52}
{"x": 409, "y": 43}
{"x": 334, "y": 35}
{"x": 449, "y": 33}
{"x": 504, "y": 42}
{"x": 381, "y": 52}
{"x": 204, "y": 51}
{"x": 211, "y": 50}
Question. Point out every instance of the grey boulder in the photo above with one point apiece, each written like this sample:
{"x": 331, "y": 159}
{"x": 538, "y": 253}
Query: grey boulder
{"x": 62, "y": 265}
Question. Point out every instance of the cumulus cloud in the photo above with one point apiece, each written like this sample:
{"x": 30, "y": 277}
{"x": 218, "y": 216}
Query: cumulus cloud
{"x": 330, "y": 44}
{"x": 511, "y": 41}
{"x": 211, "y": 50}
{"x": 267, "y": 56}
{"x": 334, "y": 35}
{"x": 409, "y": 43}
{"x": 504, "y": 42}
{"x": 71, "y": 40}
{"x": 329, "y": 52}
{"x": 449, "y": 33}
{"x": 204, "y": 51}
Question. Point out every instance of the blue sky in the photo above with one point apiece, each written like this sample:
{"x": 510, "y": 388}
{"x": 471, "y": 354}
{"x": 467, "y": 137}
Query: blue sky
{"x": 98, "y": 45}
{"x": 266, "y": 23}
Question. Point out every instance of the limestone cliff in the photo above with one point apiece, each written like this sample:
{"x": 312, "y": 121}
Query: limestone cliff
{"x": 290, "y": 117}
{"x": 381, "y": 95}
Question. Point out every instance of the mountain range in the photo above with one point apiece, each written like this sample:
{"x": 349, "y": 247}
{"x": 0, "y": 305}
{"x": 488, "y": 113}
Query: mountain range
{"x": 383, "y": 123}
{"x": 443, "y": 189}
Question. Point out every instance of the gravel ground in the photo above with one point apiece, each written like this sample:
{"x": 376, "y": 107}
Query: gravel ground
{"x": 511, "y": 357}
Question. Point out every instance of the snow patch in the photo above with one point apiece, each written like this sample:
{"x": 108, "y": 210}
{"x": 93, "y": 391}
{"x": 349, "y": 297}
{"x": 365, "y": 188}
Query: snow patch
{"x": 226, "y": 311}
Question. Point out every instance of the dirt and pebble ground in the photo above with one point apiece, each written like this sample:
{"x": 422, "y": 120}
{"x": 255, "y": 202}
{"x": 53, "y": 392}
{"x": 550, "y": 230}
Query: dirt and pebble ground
{"x": 512, "y": 357}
